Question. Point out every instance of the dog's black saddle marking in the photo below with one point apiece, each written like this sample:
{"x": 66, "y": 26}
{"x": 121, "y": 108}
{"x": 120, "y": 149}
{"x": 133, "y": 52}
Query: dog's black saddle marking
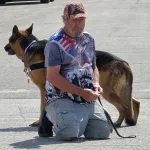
{"x": 37, "y": 46}
{"x": 37, "y": 66}
{"x": 103, "y": 58}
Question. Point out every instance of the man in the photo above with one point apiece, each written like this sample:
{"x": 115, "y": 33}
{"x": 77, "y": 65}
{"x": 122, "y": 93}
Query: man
{"x": 72, "y": 86}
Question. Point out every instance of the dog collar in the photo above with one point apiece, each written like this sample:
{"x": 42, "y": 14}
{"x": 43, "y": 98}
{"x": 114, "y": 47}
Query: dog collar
{"x": 28, "y": 47}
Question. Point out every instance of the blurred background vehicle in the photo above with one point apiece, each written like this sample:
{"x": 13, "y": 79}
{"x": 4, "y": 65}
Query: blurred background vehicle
{"x": 42, "y": 1}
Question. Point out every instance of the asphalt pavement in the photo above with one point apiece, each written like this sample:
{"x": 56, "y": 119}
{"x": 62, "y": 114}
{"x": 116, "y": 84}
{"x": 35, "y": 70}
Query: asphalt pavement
{"x": 121, "y": 27}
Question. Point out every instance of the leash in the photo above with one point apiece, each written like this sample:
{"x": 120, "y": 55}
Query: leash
{"x": 109, "y": 119}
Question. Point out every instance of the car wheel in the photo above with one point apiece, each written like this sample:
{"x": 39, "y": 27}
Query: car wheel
{"x": 2, "y": 1}
{"x": 51, "y": 0}
{"x": 44, "y": 1}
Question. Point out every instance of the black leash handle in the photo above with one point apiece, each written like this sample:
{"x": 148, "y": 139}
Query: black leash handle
{"x": 109, "y": 118}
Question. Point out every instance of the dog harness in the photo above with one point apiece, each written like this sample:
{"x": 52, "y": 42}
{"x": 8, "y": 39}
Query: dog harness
{"x": 32, "y": 66}
{"x": 27, "y": 48}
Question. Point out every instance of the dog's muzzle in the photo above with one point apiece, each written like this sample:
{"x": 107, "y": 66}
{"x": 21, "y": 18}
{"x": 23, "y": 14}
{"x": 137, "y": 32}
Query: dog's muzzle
{"x": 9, "y": 50}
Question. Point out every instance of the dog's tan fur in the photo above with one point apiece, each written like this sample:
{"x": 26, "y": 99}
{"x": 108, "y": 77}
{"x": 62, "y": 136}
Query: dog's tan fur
{"x": 117, "y": 87}
{"x": 37, "y": 76}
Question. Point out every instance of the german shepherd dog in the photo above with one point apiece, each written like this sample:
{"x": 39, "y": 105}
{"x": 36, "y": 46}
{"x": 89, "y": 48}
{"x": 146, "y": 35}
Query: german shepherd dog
{"x": 115, "y": 74}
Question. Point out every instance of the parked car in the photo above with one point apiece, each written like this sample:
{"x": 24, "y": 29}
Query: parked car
{"x": 42, "y": 1}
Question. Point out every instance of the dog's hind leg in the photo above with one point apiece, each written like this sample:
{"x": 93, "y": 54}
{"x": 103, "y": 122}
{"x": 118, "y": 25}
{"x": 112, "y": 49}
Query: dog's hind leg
{"x": 120, "y": 106}
{"x": 122, "y": 110}
{"x": 111, "y": 93}
{"x": 128, "y": 100}
{"x": 116, "y": 81}
{"x": 129, "y": 117}
{"x": 125, "y": 96}
{"x": 133, "y": 106}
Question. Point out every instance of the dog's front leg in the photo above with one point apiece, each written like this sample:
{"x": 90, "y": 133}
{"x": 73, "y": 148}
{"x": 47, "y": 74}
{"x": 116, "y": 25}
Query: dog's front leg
{"x": 42, "y": 104}
{"x": 43, "y": 99}
{"x": 122, "y": 112}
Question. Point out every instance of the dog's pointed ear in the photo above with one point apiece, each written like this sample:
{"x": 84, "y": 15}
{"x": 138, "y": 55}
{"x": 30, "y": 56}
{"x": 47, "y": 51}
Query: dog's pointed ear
{"x": 15, "y": 30}
{"x": 29, "y": 30}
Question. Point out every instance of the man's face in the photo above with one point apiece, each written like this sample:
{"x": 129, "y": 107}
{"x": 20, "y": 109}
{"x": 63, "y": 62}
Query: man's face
{"x": 75, "y": 26}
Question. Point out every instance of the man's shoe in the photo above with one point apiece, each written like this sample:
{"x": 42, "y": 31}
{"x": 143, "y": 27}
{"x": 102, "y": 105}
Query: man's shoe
{"x": 45, "y": 126}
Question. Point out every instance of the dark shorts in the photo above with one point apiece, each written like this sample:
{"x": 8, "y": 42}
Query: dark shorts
{"x": 75, "y": 120}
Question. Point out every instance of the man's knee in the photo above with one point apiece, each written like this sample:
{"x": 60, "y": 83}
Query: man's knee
{"x": 103, "y": 134}
{"x": 65, "y": 119}
{"x": 99, "y": 135}
{"x": 68, "y": 133}
{"x": 98, "y": 130}
{"x": 66, "y": 127}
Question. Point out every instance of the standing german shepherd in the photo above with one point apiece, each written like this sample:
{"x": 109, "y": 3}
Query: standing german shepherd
{"x": 115, "y": 74}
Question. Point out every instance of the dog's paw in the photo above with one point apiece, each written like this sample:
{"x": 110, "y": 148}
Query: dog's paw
{"x": 117, "y": 125}
{"x": 34, "y": 124}
{"x": 130, "y": 122}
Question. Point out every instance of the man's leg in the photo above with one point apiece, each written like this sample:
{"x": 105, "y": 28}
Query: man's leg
{"x": 98, "y": 127}
{"x": 69, "y": 122}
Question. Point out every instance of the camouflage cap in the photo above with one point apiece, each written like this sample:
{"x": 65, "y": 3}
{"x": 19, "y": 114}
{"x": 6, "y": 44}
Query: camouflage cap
{"x": 74, "y": 10}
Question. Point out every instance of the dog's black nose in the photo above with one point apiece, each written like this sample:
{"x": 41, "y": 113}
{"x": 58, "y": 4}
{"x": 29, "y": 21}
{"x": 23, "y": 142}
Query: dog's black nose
{"x": 9, "y": 50}
{"x": 7, "y": 47}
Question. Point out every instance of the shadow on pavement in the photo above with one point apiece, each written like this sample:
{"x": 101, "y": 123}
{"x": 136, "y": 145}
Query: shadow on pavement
{"x": 19, "y": 129}
{"x": 37, "y": 142}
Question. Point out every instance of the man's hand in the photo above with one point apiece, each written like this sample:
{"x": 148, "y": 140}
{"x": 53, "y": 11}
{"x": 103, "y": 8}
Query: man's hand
{"x": 98, "y": 88}
{"x": 88, "y": 94}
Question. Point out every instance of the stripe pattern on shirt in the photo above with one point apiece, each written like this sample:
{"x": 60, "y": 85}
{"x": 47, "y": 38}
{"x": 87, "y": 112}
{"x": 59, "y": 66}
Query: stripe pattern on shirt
{"x": 65, "y": 41}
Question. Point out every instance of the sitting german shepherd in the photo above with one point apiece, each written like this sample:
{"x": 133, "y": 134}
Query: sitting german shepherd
{"x": 115, "y": 74}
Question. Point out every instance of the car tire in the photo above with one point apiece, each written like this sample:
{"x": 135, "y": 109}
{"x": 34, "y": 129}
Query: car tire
{"x": 44, "y": 1}
{"x": 51, "y": 0}
{"x": 2, "y": 1}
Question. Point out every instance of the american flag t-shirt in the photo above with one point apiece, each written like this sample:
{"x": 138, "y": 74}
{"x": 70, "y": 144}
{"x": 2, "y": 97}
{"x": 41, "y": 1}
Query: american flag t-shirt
{"x": 76, "y": 57}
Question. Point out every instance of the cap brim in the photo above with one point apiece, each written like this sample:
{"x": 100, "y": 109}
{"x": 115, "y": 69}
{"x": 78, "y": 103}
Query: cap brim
{"x": 79, "y": 16}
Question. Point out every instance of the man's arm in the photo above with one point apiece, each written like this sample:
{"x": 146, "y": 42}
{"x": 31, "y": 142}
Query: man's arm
{"x": 53, "y": 63}
{"x": 96, "y": 79}
{"x": 96, "y": 75}
{"x": 61, "y": 83}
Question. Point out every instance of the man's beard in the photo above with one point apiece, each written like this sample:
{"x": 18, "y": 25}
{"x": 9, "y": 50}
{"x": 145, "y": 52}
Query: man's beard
{"x": 77, "y": 33}
{"x": 73, "y": 32}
